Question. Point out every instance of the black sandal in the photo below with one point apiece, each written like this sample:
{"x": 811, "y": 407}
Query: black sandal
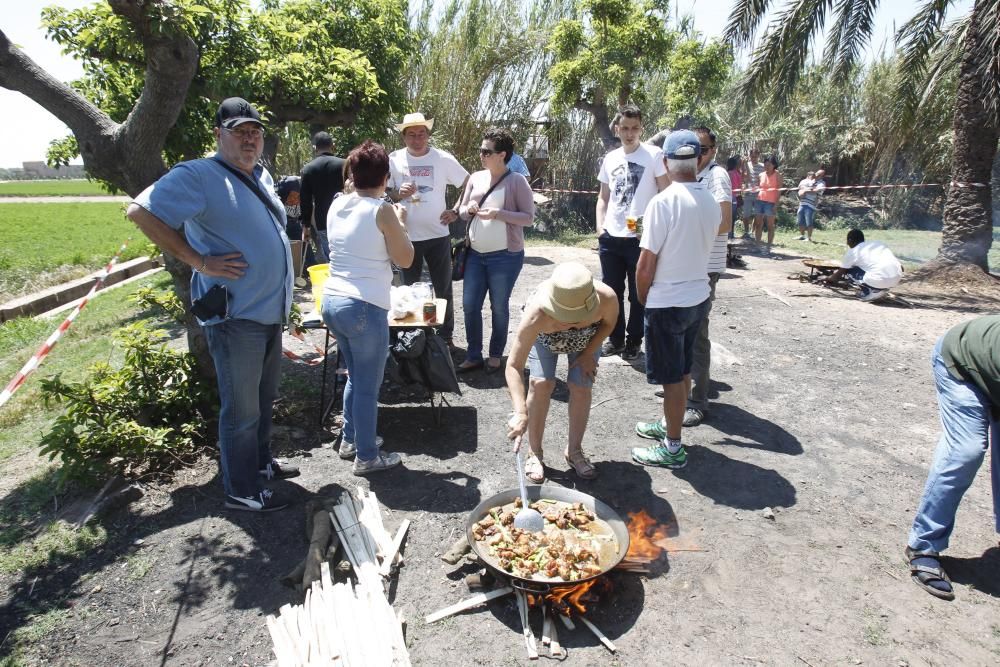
{"x": 924, "y": 574}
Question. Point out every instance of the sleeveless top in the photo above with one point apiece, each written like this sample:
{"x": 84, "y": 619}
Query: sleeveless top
{"x": 359, "y": 261}
{"x": 570, "y": 341}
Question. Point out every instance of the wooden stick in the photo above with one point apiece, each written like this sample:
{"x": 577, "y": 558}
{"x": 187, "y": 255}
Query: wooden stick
{"x": 546, "y": 622}
{"x": 600, "y": 635}
{"x": 476, "y": 599}
{"x": 397, "y": 543}
{"x": 529, "y": 636}
{"x": 555, "y": 649}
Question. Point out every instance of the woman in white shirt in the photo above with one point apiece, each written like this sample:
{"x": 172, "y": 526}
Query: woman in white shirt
{"x": 366, "y": 235}
{"x": 498, "y": 206}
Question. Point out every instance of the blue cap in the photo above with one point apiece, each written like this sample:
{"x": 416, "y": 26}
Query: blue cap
{"x": 682, "y": 145}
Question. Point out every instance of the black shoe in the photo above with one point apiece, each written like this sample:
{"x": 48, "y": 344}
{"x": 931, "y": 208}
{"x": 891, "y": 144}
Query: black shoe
{"x": 611, "y": 348}
{"x": 265, "y": 501}
{"x": 631, "y": 351}
{"x": 276, "y": 470}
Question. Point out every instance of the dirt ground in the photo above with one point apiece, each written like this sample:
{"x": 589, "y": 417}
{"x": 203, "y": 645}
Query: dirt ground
{"x": 823, "y": 416}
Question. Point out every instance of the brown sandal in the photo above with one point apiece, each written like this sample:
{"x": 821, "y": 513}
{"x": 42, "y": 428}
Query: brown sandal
{"x": 534, "y": 469}
{"x": 582, "y": 465}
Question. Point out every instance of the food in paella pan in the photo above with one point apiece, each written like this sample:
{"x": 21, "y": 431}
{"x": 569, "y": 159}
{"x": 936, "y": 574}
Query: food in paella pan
{"x": 567, "y": 549}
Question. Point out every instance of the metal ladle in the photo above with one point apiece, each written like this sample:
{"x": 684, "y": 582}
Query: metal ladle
{"x": 527, "y": 519}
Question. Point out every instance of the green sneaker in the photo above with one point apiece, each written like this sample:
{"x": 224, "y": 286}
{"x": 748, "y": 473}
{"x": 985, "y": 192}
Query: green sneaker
{"x": 653, "y": 430}
{"x": 660, "y": 456}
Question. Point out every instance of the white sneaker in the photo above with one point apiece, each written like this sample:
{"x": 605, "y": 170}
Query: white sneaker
{"x": 348, "y": 449}
{"x": 379, "y": 463}
{"x": 875, "y": 295}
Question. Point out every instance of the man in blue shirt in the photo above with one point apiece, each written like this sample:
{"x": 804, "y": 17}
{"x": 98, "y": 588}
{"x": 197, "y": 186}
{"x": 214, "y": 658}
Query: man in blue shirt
{"x": 220, "y": 216}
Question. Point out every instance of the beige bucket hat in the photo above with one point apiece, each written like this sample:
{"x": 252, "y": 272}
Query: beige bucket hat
{"x": 415, "y": 119}
{"x": 570, "y": 295}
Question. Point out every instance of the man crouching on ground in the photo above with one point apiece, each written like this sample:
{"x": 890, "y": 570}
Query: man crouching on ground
{"x": 680, "y": 226}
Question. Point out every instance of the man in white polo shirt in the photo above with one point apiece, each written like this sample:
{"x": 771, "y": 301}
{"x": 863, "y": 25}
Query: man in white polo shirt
{"x": 716, "y": 179}
{"x": 630, "y": 176}
{"x": 681, "y": 224}
{"x": 418, "y": 177}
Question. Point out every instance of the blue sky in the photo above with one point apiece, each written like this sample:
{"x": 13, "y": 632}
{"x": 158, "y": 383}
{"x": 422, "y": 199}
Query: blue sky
{"x": 26, "y": 129}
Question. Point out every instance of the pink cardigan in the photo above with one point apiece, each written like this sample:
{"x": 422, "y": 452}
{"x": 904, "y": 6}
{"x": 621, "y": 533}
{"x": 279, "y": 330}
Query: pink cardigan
{"x": 518, "y": 205}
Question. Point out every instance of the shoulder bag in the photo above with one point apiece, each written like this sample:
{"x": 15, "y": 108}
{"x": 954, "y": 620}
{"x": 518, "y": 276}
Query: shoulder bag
{"x": 460, "y": 251}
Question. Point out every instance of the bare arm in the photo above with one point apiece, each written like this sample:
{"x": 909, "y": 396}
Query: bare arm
{"x": 169, "y": 240}
{"x": 609, "y": 316}
{"x": 527, "y": 332}
{"x": 391, "y": 222}
{"x": 602, "y": 207}
{"x": 644, "y": 272}
{"x": 727, "y": 217}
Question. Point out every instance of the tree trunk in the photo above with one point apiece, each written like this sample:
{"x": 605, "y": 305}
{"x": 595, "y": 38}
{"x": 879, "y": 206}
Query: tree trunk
{"x": 968, "y": 218}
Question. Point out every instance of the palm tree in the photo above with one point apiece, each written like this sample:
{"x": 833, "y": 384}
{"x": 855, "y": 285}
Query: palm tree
{"x": 781, "y": 56}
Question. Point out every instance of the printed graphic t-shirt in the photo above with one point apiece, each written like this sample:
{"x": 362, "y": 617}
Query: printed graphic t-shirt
{"x": 432, "y": 173}
{"x": 631, "y": 178}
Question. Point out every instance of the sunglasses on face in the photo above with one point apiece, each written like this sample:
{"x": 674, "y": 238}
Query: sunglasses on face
{"x": 486, "y": 152}
{"x": 248, "y": 133}
{"x": 705, "y": 149}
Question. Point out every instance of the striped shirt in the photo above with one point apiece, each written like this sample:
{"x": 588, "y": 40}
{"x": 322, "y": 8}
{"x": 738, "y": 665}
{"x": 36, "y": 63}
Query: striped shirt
{"x": 716, "y": 180}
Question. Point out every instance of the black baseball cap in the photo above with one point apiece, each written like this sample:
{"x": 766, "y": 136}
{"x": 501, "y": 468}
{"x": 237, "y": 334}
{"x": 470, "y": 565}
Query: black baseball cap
{"x": 235, "y": 111}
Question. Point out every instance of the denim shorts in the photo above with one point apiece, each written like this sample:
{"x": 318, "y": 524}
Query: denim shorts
{"x": 765, "y": 208}
{"x": 542, "y": 365}
{"x": 670, "y": 336}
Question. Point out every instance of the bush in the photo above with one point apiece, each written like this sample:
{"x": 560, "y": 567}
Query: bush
{"x": 145, "y": 419}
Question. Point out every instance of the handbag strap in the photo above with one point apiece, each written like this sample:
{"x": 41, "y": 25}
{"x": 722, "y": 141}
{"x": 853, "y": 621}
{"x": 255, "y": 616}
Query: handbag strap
{"x": 483, "y": 199}
{"x": 254, "y": 188}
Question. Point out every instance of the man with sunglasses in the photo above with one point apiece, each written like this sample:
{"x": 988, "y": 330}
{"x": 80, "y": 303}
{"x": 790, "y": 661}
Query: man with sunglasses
{"x": 220, "y": 216}
{"x": 717, "y": 182}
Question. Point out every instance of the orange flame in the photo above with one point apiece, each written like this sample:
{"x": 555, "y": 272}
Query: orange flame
{"x": 571, "y": 599}
{"x": 647, "y": 538}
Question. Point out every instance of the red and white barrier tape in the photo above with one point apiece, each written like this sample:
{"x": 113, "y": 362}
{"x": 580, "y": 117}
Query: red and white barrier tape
{"x": 792, "y": 189}
{"x": 47, "y": 346}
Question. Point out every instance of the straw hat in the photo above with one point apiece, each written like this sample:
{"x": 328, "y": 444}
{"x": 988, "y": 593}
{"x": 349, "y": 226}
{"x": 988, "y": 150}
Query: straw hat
{"x": 415, "y": 119}
{"x": 570, "y": 295}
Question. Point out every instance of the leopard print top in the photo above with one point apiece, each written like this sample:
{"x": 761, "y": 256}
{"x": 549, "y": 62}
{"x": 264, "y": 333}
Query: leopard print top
{"x": 569, "y": 341}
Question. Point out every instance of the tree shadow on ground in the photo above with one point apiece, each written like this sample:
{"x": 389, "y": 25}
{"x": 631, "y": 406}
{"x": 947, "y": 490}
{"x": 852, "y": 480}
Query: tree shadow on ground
{"x": 403, "y": 488}
{"x": 981, "y": 573}
{"x": 735, "y": 483}
{"x": 413, "y": 430}
{"x": 745, "y": 429}
{"x": 534, "y": 260}
{"x": 215, "y": 567}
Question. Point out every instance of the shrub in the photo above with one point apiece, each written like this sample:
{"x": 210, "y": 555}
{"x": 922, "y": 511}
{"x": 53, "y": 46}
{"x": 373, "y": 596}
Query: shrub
{"x": 144, "y": 419}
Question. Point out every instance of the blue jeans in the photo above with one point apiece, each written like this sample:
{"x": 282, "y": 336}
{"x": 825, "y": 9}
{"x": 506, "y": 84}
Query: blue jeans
{"x": 542, "y": 365}
{"x": 247, "y": 357}
{"x": 496, "y": 273}
{"x": 322, "y": 246}
{"x": 966, "y": 424}
{"x": 806, "y": 216}
{"x": 362, "y": 333}
{"x": 619, "y": 256}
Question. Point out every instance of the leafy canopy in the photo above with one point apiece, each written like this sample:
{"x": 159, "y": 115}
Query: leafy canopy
{"x": 291, "y": 59}
{"x": 606, "y": 49}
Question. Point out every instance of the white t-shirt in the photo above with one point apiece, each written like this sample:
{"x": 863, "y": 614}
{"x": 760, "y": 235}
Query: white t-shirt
{"x": 631, "y": 179}
{"x": 716, "y": 179}
{"x": 882, "y": 269}
{"x": 679, "y": 226}
{"x": 432, "y": 173}
{"x": 489, "y": 235}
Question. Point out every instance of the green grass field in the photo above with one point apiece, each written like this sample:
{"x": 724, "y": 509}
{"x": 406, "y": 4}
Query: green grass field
{"x": 46, "y": 244}
{"x": 66, "y": 188}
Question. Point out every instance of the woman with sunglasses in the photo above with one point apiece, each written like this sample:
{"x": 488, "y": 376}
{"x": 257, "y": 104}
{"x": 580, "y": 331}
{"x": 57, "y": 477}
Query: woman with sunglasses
{"x": 497, "y": 206}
